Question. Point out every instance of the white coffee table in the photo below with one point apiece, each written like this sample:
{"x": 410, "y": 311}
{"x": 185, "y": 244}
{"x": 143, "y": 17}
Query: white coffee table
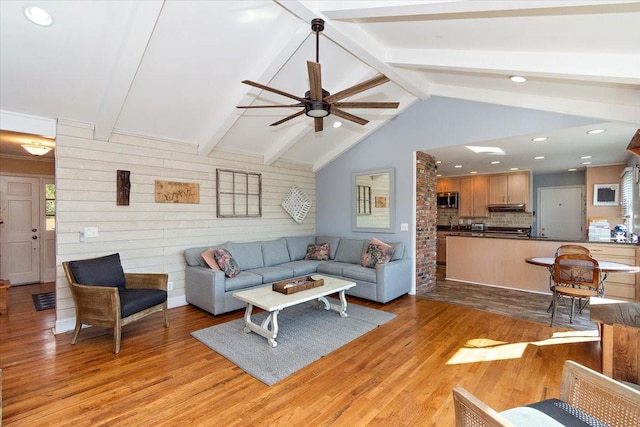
{"x": 273, "y": 302}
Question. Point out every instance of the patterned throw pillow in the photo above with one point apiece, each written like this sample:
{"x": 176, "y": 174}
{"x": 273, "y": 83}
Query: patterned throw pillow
{"x": 208, "y": 257}
{"x": 226, "y": 262}
{"x": 378, "y": 252}
{"x": 317, "y": 252}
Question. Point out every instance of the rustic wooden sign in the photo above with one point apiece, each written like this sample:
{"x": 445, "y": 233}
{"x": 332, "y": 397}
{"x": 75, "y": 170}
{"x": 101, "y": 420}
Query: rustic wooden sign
{"x": 177, "y": 192}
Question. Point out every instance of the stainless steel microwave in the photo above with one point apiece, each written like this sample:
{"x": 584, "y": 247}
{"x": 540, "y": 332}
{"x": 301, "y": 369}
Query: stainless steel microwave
{"x": 448, "y": 200}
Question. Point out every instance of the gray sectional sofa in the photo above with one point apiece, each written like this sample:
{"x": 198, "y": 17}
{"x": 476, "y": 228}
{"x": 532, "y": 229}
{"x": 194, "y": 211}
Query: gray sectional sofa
{"x": 264, "y": 262}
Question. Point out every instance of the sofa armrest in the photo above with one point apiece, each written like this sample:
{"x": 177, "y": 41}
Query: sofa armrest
{"x": 393, "y": 279}
{"x": 204, "y": 288}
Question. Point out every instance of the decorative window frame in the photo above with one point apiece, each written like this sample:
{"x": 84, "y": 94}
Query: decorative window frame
{"x": 238, "y": 194}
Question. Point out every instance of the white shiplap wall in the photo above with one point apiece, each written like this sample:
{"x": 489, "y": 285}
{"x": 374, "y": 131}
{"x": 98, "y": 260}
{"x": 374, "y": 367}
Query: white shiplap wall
{"x": 149, "y": 236}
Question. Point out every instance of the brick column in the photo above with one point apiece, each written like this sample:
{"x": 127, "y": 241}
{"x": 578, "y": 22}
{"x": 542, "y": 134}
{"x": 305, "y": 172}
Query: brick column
{"x": 426, "y": 223}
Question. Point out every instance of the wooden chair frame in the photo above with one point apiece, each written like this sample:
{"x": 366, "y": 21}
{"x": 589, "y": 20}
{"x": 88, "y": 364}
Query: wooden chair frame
{"x": 100, "y": 305}
{"x": 575, "y": 286}
{"x": 605, "y": 399}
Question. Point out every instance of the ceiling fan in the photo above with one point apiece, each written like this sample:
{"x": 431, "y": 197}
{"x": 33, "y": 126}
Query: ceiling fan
{"x": 319, "y": 103}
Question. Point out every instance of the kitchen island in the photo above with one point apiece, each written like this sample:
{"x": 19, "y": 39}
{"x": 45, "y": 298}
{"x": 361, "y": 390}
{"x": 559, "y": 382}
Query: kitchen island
{"x": 500, "y": 261}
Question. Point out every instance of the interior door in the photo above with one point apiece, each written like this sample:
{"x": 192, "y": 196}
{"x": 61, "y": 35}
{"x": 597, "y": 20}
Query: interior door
{"x": 20, "y": 237}
{"x": 561, "y": 212}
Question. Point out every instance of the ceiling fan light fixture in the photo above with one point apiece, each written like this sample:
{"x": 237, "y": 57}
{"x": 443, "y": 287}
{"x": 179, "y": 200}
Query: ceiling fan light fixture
{"x": 317, "y": 109}
{"x": 36, "y": 149}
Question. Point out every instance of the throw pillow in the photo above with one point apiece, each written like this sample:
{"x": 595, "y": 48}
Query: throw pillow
{"x": 208, "y": 257}
{"x": 377, "y": 252}
{"x": 317, "y": 252}
{"x": 226, "y": 262}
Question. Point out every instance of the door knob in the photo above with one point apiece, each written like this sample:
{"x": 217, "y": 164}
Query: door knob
{"x": 34, "y": 229}
{"x": 34, "y": 237}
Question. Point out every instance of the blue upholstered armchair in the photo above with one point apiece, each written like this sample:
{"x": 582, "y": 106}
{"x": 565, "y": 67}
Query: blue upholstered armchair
{"x": 106, "y": 296}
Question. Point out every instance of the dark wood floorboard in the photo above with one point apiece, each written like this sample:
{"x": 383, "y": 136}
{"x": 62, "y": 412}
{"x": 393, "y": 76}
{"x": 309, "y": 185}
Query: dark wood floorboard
{"x": 401, "y": 373}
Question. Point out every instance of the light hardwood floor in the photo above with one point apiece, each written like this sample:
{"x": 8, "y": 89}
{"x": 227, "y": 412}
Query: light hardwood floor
{"x": 401, "y": 373}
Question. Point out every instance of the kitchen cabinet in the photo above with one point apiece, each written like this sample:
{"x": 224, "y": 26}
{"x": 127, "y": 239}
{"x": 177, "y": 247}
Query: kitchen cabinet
{"x": 474, "y": 197}
{"x": 441, "y": 248}
{"x": 510, "y": 188}
{"x": 448, "y": 185}
{"x": 622, "y": 286}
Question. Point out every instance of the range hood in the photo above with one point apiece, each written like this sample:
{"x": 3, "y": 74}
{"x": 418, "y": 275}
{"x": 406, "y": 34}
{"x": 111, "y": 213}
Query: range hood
{"x": 507, "y": 208}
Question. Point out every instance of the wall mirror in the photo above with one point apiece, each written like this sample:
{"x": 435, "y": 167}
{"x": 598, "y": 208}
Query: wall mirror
{"x": 372, "y": 198}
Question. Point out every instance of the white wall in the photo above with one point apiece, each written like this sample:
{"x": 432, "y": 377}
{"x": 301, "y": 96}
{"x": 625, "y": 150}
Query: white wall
{"x": 149, "y": 236}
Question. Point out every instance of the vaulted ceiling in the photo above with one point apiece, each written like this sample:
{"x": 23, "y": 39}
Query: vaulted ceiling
{"x": 173, "y": 69}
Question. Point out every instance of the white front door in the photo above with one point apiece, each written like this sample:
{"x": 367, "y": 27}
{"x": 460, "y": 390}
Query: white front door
{"x": 20, "y": 236}
{"x": 561, "y": 212}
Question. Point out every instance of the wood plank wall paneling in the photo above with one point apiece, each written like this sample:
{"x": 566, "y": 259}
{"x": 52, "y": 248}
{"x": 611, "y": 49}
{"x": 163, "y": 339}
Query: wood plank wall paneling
{"x": 149, "y": 236}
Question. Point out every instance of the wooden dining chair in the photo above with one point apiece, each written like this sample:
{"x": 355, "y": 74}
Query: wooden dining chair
{"x": 574, "y": 276}
{"x": 562, "y": 250}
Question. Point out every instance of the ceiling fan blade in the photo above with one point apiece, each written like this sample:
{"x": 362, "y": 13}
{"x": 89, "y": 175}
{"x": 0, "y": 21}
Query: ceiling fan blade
{"x": 286, "y": 119}
{"x": 318, "y": 122}
{"x": 366, "y": 104}
{"x": 270, "y": 89}
{"x": 315, "y": 80}
{"x": 271, "y": 106}
{"x": 347, "y": 116}
{"x": 360, "y": 87}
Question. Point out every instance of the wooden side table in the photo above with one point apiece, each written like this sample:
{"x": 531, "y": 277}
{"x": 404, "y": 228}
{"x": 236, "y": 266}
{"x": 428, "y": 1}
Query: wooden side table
{"x": 4, "y": 296}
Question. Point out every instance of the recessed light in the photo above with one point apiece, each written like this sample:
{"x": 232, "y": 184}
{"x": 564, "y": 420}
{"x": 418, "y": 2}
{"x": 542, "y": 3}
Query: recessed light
{"x": 517, "y": 79}
{"x": 495, "y": 162}
{"x": 488, "y": 150}
{"x": 457, "y": 166}
{"x": 585, "y": 163}
{"x": 513, "y": 169}
{"x": 538, "y": 157}
{"x": 585, "y": 157}
{"x": 337, "y": 124}
{"x": 572, "y": 170}
{"x": 594, "y": 131}
{"x": 38, "y": 16}
{"x": 473, "y": 172}
{"x": 438, "y": 174}
{"x": 438, "y": 162}
{"x": 540, "y": 139}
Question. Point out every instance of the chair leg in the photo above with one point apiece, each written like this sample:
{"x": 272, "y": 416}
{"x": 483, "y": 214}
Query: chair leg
{"x": 554, "y": 302}
{"x": 117, "y": 333}
{"x": 571, "y": 313}
{"x": 165, "y": 313}
{"x": 76, "y": 332}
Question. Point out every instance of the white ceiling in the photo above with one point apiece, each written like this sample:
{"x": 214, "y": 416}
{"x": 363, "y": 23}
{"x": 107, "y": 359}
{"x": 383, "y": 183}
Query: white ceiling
{"x": 172, "y": 69}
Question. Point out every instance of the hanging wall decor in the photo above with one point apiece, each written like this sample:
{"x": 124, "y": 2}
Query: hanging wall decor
{"x": 297, "y": 204}
{"x": 177, "y": 192}
{"x": 123, "y": 185}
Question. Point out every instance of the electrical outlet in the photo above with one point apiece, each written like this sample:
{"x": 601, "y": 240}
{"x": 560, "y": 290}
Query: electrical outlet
{"x": 170, "y": 286}
{"x": 404, "y": 226}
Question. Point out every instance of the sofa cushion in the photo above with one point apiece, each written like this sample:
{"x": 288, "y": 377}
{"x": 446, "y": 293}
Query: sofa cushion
{"x": 334, "y": 267}
{"x": 210, "y": 259}
{"x": 398, "y": 251}
{"x": 302, "y": 267}
{"x": 297, "y": 246}
{"x": 103, "y": 271}
{"x": 273, "y": 274}
{"x": 134, "y": 300}
{"x": 226, "y": 262}
{"x": 275, "y": 252}
{"x": 245, "y": 279}
{"x": 317, "y": 252}
{"x": 193, "y": 256}
{"x": 248, "y": 255}
{"x": 350, "y": 250}
{"x": 333, "y": 244}
{"x": 377, "y": 252}
{"x": 363, "y": 274}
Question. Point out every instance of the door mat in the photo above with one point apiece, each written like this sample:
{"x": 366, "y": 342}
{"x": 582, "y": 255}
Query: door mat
{"x": 44, "y": 301}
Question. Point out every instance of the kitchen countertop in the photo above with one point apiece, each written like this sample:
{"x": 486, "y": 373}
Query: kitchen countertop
{"x": 514, "y": 233}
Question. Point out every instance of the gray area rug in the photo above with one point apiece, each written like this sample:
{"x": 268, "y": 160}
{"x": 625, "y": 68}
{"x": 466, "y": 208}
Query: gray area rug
{"x": 507, "y": 302}
{"x": 305, "y": 334}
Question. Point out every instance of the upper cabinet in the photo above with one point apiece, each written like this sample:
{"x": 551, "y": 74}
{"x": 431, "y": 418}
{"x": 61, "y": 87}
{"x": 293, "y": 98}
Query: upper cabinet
{"x": 448, "y": 185}
{"x": 512, "y": 188}
{"x": 474, "y": 197}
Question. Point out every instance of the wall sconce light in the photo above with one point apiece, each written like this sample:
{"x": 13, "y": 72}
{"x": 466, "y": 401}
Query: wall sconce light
{"x": 36, "y": 149}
